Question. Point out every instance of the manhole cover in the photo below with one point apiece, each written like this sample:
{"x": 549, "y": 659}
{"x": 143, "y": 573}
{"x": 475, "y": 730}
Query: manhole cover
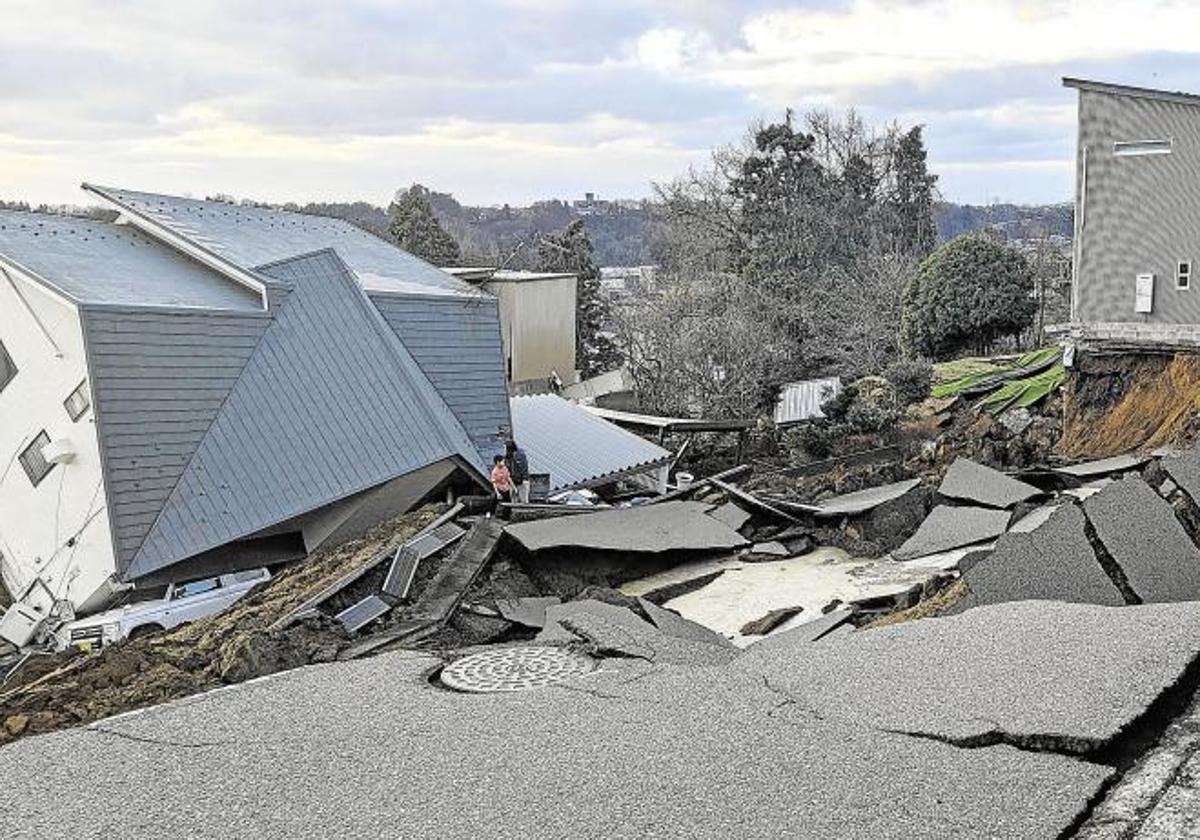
{"x": 514, "y": 669}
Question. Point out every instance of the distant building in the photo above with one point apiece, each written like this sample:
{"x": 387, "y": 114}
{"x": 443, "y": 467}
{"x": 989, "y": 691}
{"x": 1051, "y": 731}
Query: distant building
{"x": 203, "y": 388}
{"x": 537, "y": 322}
{"x": 1137, "y": 215}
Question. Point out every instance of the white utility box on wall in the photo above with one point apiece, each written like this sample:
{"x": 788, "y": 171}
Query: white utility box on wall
{"x": 1144, "y": 299}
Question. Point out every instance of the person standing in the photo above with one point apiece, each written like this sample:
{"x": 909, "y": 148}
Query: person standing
{"x": 502, "y": 479}
{"x": 518, "y": 468}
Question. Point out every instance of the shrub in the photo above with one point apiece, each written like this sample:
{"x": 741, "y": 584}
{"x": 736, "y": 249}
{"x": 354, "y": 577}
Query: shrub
{"x": 912, "y": 379}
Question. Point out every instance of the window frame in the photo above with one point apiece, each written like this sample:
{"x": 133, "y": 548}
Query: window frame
{"x": 1183, "y": 275}
{"x": 35, "y": 447}
{"x": 1143, "y": 148}
{"x": 81, "y": 391}
{"x": 7, "y": 364}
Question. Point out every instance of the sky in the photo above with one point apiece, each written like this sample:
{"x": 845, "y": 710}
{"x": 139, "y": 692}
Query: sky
{"x": 513, "y": 101}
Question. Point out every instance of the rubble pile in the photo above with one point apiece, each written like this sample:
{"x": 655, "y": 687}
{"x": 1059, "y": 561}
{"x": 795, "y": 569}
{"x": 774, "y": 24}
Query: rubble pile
{"x": 233, "y": 646}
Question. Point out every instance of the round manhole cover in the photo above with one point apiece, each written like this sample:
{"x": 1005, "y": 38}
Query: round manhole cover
{"x": 514, "y": 669}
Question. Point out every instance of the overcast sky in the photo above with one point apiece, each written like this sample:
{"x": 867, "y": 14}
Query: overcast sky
{"x": 515, "y": 100}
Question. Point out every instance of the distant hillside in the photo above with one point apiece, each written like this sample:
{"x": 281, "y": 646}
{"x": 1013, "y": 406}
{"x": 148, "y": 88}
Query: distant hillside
{"x": 1015, "y": 221}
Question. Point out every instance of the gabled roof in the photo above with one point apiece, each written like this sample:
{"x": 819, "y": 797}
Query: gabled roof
{"x": 575, "y": 447}
{"x": 251, "y": 236}
{"x": 97, "y": 263}
{"x": 1132, "y": 90}
{"x": 329, "y": 404}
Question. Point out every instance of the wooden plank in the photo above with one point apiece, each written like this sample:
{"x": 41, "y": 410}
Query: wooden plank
{"x": 753, "y": 501}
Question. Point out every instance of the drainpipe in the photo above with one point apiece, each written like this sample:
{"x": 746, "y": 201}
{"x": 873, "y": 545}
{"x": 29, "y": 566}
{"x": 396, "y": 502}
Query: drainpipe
{"x": 32, "y": 314}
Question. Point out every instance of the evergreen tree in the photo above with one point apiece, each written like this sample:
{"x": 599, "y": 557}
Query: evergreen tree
{"x": 570, "y": 250}
{"x": 415, "y": 228}
{"x": 914, "y": 192}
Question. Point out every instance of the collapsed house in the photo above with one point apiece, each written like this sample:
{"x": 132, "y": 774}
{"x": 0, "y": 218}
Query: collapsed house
{"x": 201, "y": 388}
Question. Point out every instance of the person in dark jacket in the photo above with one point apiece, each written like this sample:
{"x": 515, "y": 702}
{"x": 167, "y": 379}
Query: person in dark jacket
{"x": 518, "y": 468}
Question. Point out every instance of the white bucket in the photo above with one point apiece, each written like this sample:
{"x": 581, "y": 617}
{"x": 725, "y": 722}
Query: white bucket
{"x": 684, "y": 480}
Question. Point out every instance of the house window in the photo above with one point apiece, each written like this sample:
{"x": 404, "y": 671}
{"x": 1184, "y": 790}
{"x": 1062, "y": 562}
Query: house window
{"x": 36, "y": 467}
{"x": 78, "y": 402}
{"x": 1142, "y": 147}
{"x": 7, "y": 369}
{"x": 1183, "y": 274}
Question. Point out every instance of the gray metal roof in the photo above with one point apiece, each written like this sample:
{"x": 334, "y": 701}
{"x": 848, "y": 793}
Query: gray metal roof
{"x": 252, "y": 236}
{"x": 96, "y": 262}
{"x": 1132, "y": 90}
{"x": 330, "y": 403}
{"x": 576, "y": 447}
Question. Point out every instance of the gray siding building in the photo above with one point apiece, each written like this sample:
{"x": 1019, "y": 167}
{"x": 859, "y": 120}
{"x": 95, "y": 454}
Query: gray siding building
{"x": 226, "y": 387}
{"x": 1137, "y": 214}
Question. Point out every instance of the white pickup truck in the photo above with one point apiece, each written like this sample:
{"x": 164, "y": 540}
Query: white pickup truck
{"x": 178, "y": 604}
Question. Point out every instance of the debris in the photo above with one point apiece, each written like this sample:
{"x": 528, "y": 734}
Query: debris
{"x": 528, "y": 612}
{"x": 359, "y": 615}
{"x": 864, "y": 500}
{"x": 982, "y": 485}
{"x": 764, "y": 625}
{"x": 953, "y": 527}
{"x": 752, "y": 501}
{"x": 646, "y": 529}
{"x": 1055, "y": 563}
{"x": 1184, "y": 470}
{"x": 807, "y": 633}
{"x": 731, "y": 515}
{"x": 1105, "y": 466}
{"x": 608, "y": 631}
{"x": 939, "y": 604}
{"x": 1145, "y": 540}
{"x": 1016, "y": 420}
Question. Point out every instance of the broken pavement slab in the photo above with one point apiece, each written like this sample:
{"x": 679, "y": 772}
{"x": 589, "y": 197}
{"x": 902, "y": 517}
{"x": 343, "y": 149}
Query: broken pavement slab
{"x": 731, "y": 515}
{"x": 1030, "y": 673}
{"x": 861, "y": 501}
{"x": 673, "y": 624}
{"x": 643, "y": 529}
{"x": 608, "y": 630}
{"x": 1054, "y": 563}
{"x": 972, "y": 482}
{"x": 949, "y": 527}
{"x": 1104, "y": 466}
{"x": 325, "y": 740}
{"x": 1184, "y": 469}
{"x": 1139, "y": 531}
{"x": 528, "y": 612}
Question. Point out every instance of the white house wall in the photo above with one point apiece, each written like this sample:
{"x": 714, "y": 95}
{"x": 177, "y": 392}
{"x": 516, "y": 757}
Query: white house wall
{"x": 538, "y": 323}
{"x": 58, "y": 530}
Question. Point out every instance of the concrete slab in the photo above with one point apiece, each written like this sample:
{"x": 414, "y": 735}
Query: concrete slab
{"x": 862, "y": 501}
{"x": 747, "y": 591}
{"x": 952, "y": 559}
{"x": 772, "y": 548}
{"x": 596, "y": 757}
{"x": 1055, "y": 563}
{"x": 645, "y": 529}
{"x": 1105, "y": 466}
{"x": 528, "y": 612}
{"x": 1037, "y": 673}
{"x": 949, "y": 527}
{"x": 555, "y": 614}
{"x": 673, "y": 624}
{"x": 730, "y": 515}
{"x": 1184, "y": 470}
{"x": 982, "y": 485}
{"x": 1139, "y": 530}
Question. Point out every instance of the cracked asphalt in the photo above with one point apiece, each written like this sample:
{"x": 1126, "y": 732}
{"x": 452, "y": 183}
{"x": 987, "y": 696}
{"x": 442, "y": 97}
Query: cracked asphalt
{"x": 677, "y": 746}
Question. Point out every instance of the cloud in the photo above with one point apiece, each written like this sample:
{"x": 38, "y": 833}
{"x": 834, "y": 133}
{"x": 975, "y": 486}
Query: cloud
{"x": 509, "y": 100}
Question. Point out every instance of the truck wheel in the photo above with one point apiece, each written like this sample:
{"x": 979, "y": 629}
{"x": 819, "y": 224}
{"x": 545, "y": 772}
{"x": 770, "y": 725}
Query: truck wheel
{"x": 143, "y": 630}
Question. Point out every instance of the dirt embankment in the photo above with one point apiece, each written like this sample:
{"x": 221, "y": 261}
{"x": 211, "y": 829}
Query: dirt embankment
{"x": 1121, "y": 403}
{"x": 75, "y": 688}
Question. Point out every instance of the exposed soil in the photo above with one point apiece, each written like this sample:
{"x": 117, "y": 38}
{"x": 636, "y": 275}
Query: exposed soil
{"x": 74, "y": 688}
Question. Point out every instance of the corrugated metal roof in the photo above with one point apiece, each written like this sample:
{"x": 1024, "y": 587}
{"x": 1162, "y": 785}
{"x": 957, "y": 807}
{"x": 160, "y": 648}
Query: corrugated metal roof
{"x": 329, "y": 404}
{"x": 574, "y": 446}
{"x": 253, "y": 236}
{"x": 96, "y": 262}
{"x": 802, "y": 400}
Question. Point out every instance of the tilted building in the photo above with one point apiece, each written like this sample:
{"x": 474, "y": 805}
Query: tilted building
{"x": 1137, "y": 216}
{"x": 203, "y": 387}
